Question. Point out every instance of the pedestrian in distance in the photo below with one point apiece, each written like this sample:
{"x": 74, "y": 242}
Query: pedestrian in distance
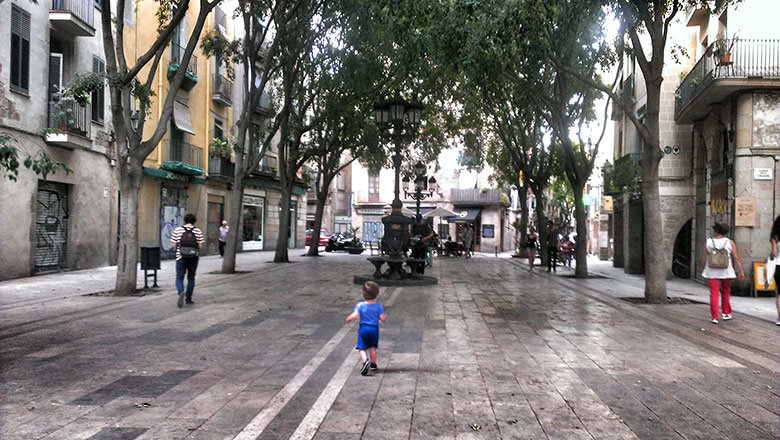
{"x": 468, "y": 236}
{"x": 552, "y": 247}
{"x": 370, "y": 313}
{"x": 719, "y": 273}
{"x": 530, "y": 247}
{"x": 774, "y": 237}
{"x": 188, "y": 241}
{"x": 223, "y": 232}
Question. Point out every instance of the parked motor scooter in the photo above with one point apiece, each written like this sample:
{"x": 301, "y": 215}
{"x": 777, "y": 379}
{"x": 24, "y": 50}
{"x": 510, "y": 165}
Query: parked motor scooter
{"x": 343, "y": 242}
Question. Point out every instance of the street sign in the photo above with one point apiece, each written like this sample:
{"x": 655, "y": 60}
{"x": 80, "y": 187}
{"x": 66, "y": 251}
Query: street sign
{"x": 608, "y": 204}
{"x": 762, "y": 173}
{"x": 587, "y": 200}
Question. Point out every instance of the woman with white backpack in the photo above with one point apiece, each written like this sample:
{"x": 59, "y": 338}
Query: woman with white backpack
{"x": 719, "y": 271}
{"x": 774, "y": 236}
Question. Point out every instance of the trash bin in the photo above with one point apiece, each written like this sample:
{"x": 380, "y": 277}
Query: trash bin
{"x": 150, "y": 260}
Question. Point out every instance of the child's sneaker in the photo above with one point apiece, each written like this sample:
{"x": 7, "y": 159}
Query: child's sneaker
{"x": 777, "y": 322}
{"x": 726, "y": 316}
{"x": 366, "y": 366}
{"x": 373, "y": 367}
{"x": 714, "y": 321}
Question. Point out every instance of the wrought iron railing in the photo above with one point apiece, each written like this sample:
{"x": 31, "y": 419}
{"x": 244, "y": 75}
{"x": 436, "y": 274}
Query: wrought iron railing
{"x": 222, "y": 87}
{"x": 83, "y": 9}
{"x": 264, "y": 104}
{"x": 476, "y": 196}
{"x": 186, "y": 153}
{"x": 68, "y": 116}
{"x": 177, "y": 54}
{"x": 734, "y": 59}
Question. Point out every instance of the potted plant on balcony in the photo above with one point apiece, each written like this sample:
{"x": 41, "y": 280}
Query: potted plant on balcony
{"x": 220, "y": 147}
{"x": 723, "y": 46}
{"x": 83, "y": 84}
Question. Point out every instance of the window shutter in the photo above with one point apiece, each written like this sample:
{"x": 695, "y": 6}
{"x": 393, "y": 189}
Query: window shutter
{"x": 20, "y": 49}
{"x": 98, "y": 96}
{"x": 55, "y": 72}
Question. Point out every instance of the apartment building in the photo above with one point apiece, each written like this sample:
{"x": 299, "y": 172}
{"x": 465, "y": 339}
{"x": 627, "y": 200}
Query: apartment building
{"x": 731, "y": 96}
{"x": 65, "y": 221}
{"x": 186, "y": 172}
{"x": 337, "y": 212}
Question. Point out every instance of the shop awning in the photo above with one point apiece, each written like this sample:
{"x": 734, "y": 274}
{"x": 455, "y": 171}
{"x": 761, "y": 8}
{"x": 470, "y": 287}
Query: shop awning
{"x": 181, "y": 117}
{"x": 465, "y": 215}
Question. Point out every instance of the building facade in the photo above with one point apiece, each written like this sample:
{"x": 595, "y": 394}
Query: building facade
{"x": 731, "y": 96}
{"x": 337, "y": 213}
{"x": 67, "y": 221}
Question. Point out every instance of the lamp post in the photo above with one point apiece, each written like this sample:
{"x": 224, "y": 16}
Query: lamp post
{"x": 402, "y": 119}
{"x": 421, "y": 185}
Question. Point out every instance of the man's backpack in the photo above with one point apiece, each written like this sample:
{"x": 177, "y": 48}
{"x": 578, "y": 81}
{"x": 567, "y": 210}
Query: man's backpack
{"x": 188, "y": 243}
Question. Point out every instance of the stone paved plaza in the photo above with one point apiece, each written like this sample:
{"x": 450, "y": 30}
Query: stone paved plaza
{"x": 492, "y": 352}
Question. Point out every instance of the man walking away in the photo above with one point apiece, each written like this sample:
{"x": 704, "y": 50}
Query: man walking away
{"x": 188, "y": 241}
{"x": 468, "y": 236}
{"x": 223, "y": 232}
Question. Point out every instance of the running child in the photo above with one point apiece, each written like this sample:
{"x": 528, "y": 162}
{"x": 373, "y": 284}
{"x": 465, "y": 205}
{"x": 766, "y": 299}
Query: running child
{"x": 370, "y": 313}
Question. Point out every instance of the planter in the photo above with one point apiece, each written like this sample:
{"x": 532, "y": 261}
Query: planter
{"x": 355, "y": 250}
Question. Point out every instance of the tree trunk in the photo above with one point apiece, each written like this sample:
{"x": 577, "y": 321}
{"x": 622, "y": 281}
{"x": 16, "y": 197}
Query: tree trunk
{"x": 234, "y": 221}
{"x": 131, "y": 173}
{"x": 655, "y": 258}
{"x": 314, "y": 244}
{"x": 541, "y": 224}
{"x": 581, "y": 245}
{"x": 281, "y": 255}
{"x": 522, "y": 200}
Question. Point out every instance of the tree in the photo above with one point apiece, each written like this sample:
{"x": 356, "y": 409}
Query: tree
{"x": 344, "y": 127}
{"x": 646, "y": 23}
{"x": 257, "y": 56}
{"x": 126, "y": 87}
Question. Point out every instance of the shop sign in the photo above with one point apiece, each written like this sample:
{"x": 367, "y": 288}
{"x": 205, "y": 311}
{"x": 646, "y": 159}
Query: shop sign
{"x": 253, "y": 201}
{"x": 745, "y": 211}
{"x": 342, "y": 218}
{"x": 607, "y": 203}
{"x": 762, "y": 173}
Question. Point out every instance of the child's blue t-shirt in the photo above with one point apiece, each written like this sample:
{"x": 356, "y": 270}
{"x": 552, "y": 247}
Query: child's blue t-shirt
{"x": 369, "y": 312}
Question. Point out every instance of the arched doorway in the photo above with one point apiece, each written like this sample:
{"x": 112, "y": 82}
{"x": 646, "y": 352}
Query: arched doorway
{"x": 681, "y": 258}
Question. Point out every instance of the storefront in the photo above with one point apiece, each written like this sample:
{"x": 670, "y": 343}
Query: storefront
{"x": 254, "y": 222}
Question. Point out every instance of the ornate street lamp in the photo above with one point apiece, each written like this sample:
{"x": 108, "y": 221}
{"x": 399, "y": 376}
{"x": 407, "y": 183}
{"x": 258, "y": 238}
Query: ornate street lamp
{"x": 421, "y": 185}
{"x": 401, "y": 119}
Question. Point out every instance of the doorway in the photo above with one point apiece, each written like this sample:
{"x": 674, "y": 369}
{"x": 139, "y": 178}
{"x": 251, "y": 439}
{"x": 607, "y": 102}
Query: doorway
{"x": 51, "y": 226}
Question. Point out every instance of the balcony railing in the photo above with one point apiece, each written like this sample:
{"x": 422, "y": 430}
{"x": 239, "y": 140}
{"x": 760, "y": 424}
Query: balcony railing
{"x": 185, "y": 153}
{"x": 177, "y": 54}
{"x": 748, "y": 59}
{"x": 222, "y": 89}
{"x": 220, "y": 166}
{"x": 68, "y": 117}
{"x": 84, "y": 10}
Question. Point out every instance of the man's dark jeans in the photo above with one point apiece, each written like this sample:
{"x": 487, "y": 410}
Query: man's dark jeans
{"x": 552, "y": 258}
{"x": 188, "y": 266}
{"x": 221, "y": 248}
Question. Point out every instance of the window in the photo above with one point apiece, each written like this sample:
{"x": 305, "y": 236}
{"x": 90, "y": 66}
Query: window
{"x": 99, "y": 95}
{"x": 20, "y": 49}
{"x": 373, "y": 183}
{"x": 219, "y": 131}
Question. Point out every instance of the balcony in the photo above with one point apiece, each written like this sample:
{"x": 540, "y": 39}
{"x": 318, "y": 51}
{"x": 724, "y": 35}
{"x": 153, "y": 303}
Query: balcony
{"x": 184, "y": 158}
{"x": 221, "y": 167}
{"x": 191, "y": 76}
{"x": 73, "y": 18}
{"x": 476, "y": 197}
{"x": 627, "y": 93}
{"x": 751, "y": 64}
{"x": 264, "y": 105}
{"x": 221, "y": 90}
{"x": 68, "y": 124}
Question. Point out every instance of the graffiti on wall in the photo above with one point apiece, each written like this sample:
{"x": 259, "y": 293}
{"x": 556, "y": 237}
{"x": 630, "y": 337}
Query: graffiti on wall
{"x": 172, "y": 216}
{"x": 51, "y": 227}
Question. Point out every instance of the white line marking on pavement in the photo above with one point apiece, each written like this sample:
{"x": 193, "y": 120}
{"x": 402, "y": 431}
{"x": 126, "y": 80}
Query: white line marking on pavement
{"x": 319, "y": 410}
{"x": 264, "y": 417}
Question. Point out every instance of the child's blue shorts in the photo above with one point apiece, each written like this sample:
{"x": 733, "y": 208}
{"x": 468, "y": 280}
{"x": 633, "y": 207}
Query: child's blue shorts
{"x": 368, "y": 337}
